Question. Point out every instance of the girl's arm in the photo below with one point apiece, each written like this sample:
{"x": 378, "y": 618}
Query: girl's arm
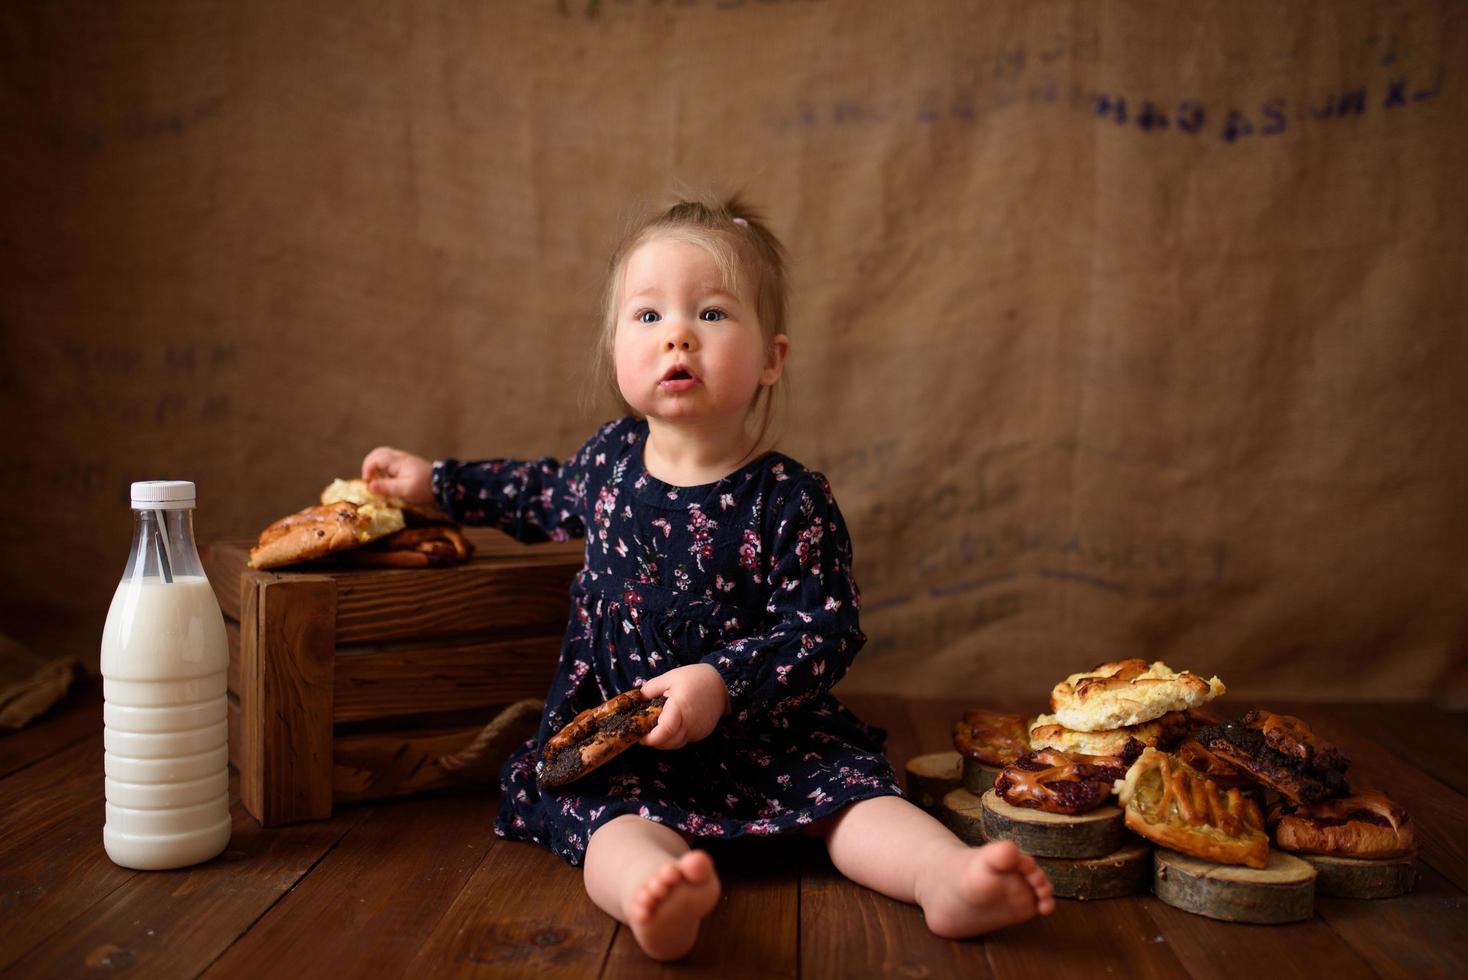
{"x": 814, "y": 630}
{"x": 531, "y": 500}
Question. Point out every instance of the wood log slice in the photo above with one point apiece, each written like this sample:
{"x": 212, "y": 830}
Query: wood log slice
{"x": 977, "y": 777}
{"x": 930, "y": 778}
{"x": 962, "y": 814}
{"x": 1125, "y": 871}
{"x": 1282, "y": 891}
{"x": 1086, "y": 835}
{"x": 1346, "y": 877}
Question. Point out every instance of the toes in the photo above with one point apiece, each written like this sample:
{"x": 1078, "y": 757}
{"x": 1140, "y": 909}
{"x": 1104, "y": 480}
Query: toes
{"x": 1002, "y": 856}
{"x": 696, "y": 866}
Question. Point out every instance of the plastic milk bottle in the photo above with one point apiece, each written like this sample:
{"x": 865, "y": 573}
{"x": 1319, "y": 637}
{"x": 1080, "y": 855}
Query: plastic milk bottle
{"x": 165, "y": 665}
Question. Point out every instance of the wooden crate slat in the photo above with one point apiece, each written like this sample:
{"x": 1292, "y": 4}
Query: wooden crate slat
{"x": 382, "y": 764}
{"x": 385, "y": 605}
{"x": 160, "y": 924}
{"x": 288, "y": 729}
{"x": 232, "y": 636}
{"x": 358, "y": 915}
{"x": 381, "y": 683}
{"x": 523, "y": 912}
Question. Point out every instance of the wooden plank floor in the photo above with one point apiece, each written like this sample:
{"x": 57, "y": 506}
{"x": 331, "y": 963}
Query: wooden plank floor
{"x": 423, "y": 888}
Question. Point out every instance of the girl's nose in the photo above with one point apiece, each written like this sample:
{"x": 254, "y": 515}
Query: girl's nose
{"x": 679, "y": 337}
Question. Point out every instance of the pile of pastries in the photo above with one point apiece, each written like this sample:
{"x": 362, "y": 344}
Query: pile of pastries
{"x": 1186, "y": 778}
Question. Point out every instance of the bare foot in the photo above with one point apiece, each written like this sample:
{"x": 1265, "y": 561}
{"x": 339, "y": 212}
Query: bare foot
{"x": 984, "y": 889}
{"x": 665, "y": 910}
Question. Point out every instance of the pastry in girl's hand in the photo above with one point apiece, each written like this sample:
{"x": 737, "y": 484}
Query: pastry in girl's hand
{"x": 596, "y": 736}
{"x": 991, "y": 737}
{"x": 1127, "y": 692}
{"x": 1368, "y": 824}
{"x": 1170, "y": 804}
{"x": 1059, "y": 782}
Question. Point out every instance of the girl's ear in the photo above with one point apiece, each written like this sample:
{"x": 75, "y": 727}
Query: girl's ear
{"x": 775, "y": 359}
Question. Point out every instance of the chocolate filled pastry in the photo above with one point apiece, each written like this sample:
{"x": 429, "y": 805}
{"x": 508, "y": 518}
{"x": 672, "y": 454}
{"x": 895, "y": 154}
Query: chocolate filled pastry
{"x": 1368, "y": 824}
{"x": 1170, "y": 804}
{"x": 1059, "y": 782}
{"x": 596, "y": 736}
{"x": 991, "y": 737}
{"x": 1282, "y": 753}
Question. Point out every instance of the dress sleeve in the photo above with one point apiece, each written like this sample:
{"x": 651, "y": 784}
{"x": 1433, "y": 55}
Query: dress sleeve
{"x": 812, "y": 628}
{"x": 530, "y": 500}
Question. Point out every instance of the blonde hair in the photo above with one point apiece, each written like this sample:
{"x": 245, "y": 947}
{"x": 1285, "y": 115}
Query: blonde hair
{"x": 741, "y": 244}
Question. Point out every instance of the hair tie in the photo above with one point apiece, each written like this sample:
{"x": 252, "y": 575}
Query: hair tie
{"x": 741, "y": 222}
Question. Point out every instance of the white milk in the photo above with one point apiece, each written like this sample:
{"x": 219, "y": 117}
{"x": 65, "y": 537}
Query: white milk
{"x": 165, "y": 665}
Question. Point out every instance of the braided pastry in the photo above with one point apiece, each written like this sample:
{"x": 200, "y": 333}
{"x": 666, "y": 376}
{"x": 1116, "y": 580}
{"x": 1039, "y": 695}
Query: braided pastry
{"x": 1059, "y": 782}
{"x": 991, "y": 737}
{"x": 1169, "y": 803}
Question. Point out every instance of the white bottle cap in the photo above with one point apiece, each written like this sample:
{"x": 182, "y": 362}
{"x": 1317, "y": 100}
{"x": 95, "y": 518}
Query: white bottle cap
{"x": 163, "y": 495}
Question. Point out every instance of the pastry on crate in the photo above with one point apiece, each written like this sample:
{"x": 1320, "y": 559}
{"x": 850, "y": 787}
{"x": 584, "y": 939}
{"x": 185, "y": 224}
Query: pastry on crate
{"x": 316, "y": 532}
{"x": 349, "y": 517}
{"x": 433, "y": 546}
{"x": 1059, "y": 782}
{"x": 1366, "y": 824}
{"x": 1170, "y": 804}
{"x": 1127, "y": 692}
{"x": 1282, "y": 753}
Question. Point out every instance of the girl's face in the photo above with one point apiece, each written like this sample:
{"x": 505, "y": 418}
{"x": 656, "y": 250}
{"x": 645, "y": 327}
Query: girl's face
{"x": 686, "y": 347}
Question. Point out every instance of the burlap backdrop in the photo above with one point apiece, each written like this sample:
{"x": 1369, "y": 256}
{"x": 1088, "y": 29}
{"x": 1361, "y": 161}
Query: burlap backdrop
{"x": 1120, "y": 329}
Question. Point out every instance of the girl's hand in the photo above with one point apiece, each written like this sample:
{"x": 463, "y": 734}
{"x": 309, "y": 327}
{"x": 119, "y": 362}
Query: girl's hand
{"x": 394, "y": 473}
{"x": 697, "y": 699}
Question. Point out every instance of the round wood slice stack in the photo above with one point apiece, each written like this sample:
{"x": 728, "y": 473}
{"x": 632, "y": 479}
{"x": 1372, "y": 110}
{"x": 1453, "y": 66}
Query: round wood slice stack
{"x": 1093, "y": 834}
{"x": 1125, "y": 871}
{"x": 977, "y": 777}
{"x": 962, "y": 814}
{"x": 930, "y": 777}
{"x": 1283, "y": 891}
{"x": 1346, "y": 877}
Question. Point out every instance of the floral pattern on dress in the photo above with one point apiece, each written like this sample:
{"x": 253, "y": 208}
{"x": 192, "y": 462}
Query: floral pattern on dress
{"x": 751, "y": 575}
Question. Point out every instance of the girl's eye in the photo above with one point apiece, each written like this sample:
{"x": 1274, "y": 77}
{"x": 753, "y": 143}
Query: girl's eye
{"x": 648, "y": 316}
{"x": 712, "y": 316}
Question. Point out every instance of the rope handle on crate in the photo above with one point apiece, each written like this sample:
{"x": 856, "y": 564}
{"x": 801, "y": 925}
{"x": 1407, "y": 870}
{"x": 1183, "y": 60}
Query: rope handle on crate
{"x": 508, "y": 729}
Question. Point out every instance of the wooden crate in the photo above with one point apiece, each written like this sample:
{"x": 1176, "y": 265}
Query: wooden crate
{"x": 350, "y": 684}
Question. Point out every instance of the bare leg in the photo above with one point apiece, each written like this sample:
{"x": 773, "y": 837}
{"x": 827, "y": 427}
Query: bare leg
{"x": 891, "y": 846}
{"x": 643, "y": 874}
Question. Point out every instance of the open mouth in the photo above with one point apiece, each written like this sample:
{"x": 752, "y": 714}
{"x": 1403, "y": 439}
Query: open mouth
{"x": 679, "y": 373}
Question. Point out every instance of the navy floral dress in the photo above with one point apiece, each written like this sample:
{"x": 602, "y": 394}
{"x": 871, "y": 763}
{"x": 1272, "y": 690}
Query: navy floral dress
{"x": 751, "y": 575}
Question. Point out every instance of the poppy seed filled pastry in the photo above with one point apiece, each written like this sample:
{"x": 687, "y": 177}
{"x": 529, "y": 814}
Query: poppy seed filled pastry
{"x": 596, "y": 736}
